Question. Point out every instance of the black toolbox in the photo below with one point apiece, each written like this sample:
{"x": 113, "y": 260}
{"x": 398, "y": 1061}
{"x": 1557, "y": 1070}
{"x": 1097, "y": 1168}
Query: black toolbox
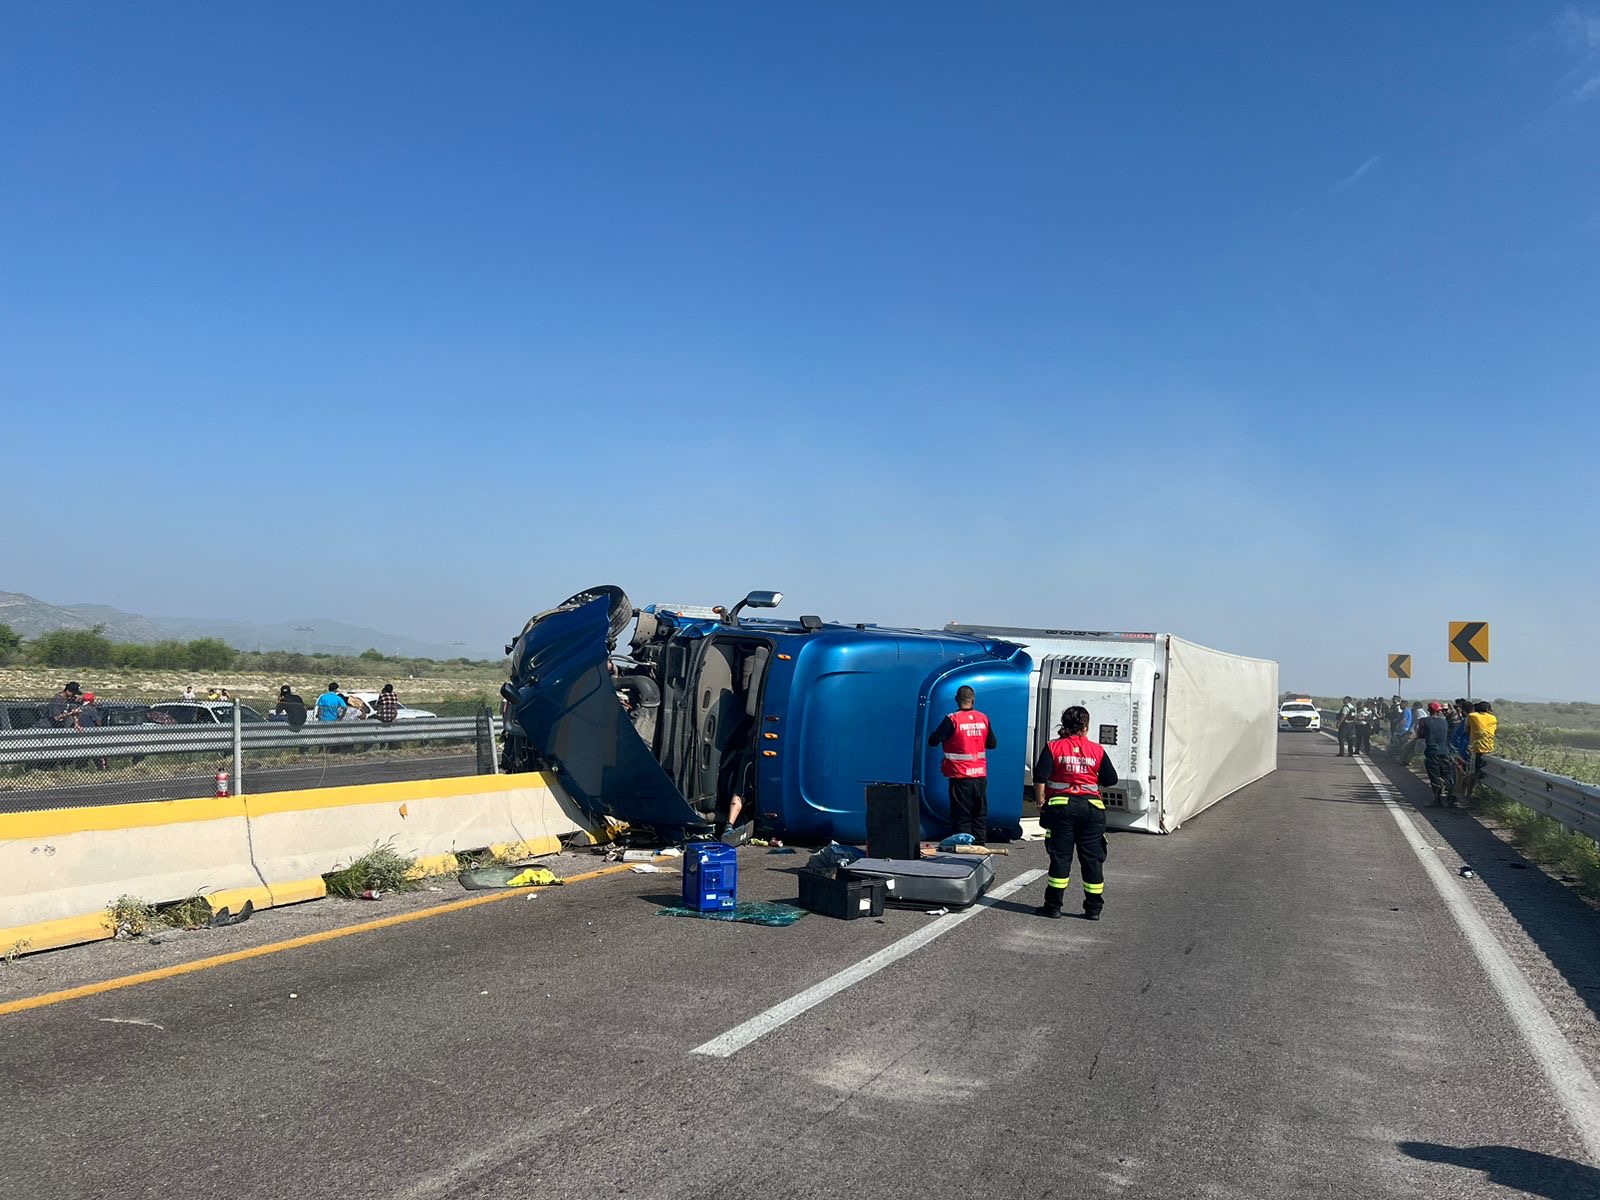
{"x": 846, "y": 899}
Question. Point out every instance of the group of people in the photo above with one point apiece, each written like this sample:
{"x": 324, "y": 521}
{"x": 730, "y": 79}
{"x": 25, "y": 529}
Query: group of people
{"x": 1454, "y": 738}
{"x": 219, "y": 694}
{"x": 335, "y": 705}
{"x": 1068, "y": 777}
{"x": 72, "y": 708}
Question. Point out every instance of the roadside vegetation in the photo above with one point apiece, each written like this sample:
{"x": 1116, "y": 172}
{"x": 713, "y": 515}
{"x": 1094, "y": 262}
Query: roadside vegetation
{"x": 132, "y": 916}
{"x": 381, "y": 869}
{"x": 161, "y": 671}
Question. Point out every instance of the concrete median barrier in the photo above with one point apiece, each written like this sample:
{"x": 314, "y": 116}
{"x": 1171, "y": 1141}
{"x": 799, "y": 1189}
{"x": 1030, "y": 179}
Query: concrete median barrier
{"x": 300, "y": 836}
{"x": 61, "y": 870}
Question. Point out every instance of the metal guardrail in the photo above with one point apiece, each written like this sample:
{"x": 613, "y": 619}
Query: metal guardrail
{"x": 1576, "y": 805}
{"x": 28, "y": 746}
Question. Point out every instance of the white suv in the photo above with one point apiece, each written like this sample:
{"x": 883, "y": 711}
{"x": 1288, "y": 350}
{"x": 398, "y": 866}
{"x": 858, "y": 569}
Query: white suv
{"x": 405, "y": 714}
{"x": 1299, "y": 716}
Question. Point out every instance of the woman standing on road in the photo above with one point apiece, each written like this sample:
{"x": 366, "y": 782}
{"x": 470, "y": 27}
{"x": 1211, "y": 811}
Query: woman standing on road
{"x": 1067, "y": 781}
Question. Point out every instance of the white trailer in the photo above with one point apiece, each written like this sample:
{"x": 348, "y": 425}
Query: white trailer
{"x": 1183, "y": 724}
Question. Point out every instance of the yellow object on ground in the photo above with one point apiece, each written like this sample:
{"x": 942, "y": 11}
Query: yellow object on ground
{"x": 533, "y": 877}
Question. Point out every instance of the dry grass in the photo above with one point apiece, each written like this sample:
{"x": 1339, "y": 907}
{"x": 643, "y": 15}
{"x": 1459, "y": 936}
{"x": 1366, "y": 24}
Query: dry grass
{"x": 252, "y": 687}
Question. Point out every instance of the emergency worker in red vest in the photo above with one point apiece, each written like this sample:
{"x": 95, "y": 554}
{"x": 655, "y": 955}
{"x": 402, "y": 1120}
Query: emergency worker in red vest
{"x": 1066, "y": 783}
{"x": 966, "y": 735}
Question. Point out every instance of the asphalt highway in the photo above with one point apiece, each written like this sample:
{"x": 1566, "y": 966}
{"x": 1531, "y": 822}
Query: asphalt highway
{"x": 1278, "y": 1003}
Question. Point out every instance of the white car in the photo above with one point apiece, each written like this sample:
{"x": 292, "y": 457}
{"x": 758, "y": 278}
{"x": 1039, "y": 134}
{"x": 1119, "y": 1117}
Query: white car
{"x": 1299, "y": 716}
{"x": 405, "y": 714}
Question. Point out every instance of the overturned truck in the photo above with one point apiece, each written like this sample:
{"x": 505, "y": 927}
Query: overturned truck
{"x": 1184, "y": 725}
{"x": 796, "y": 718}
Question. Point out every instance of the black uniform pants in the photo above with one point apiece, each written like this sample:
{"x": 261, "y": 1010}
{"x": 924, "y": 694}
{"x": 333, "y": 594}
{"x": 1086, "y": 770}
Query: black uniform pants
{"x": 1078, "y": 826}
{"x": 1347, "y": 737}
{"x": 1363, "y": 740}
{"x": 1441, "y": 776}
{"x": 969, "y": 807}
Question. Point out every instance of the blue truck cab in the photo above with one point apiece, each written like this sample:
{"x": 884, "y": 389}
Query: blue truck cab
{"x": 796, "y": 717}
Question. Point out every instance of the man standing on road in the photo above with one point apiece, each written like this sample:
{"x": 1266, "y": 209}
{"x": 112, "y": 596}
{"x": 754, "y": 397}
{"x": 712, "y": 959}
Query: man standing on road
{"x": 388, "y": 704}
{"x": 1066, "y": 785}
{"x": 1481, "y": 727}
{"x": 1433, "y": 731}
{"x": 966, "y": 736}
{"x": 291, "y": 707}
{"x": 1347, "y": 728}
{"x": 63, "y": 705}
{"x": 331, "y": 705}
{"x": 1363, "y": 729}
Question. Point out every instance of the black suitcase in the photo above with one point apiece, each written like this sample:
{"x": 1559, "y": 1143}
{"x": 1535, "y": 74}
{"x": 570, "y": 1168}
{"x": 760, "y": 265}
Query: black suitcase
{"x": 948, "y": 880}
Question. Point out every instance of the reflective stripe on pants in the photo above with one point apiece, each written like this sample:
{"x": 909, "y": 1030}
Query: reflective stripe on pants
{"x": 1077, "y": 826}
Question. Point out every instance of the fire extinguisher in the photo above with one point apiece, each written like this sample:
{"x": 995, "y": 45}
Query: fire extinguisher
{"x": 222, "y": 783}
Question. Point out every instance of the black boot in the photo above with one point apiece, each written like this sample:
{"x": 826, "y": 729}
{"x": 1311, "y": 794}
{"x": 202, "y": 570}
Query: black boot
{"x": 1052, "y": 903}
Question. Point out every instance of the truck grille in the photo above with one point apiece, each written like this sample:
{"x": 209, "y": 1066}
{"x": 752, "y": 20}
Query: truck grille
{"x": 1091, "y": 668}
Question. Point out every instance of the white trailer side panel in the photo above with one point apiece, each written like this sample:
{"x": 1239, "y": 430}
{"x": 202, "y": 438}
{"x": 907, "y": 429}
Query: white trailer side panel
{"x": 1221, "y": 727}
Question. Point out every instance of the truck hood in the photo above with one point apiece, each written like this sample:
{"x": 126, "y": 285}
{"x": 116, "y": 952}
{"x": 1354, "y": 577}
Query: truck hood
{"x": 567, "y": 706}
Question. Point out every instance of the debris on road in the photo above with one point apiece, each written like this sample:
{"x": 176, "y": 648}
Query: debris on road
{"x": 773, "y": 913}
{"x": 938, "y": 912}
{"x": 486, "y": 878}
{"x": 1467, "y": 872}
{"x": 645, "y": 868}
{"x": 710, "y": 877}
{"x": 846, "y": 899}
{"x": 369, "y": 894}
{"x": 224, "y": 918}
{"x": 831, "y": 857}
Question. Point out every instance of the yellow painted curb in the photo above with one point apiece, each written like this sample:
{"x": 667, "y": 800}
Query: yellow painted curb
{"x": 387, "y": 793}
{"x": 51, "y": 935}
{"x": 57, "y": 822}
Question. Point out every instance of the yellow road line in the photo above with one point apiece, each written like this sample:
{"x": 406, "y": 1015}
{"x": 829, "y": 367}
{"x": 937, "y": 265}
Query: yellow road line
{"x": 310, "y": 939}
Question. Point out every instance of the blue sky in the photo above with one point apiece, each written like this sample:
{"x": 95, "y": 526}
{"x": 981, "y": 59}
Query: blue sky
{"x": 1277, "y": 326}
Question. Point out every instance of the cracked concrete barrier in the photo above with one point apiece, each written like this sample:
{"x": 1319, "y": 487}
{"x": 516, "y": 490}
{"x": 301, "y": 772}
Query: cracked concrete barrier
{"x": 300, "y": 836}
{"x": 61, "y": 870}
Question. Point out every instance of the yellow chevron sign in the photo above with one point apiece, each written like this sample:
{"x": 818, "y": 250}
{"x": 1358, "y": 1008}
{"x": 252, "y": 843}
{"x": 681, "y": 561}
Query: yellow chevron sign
{"x": 1399, "y": 666}
{"x": 1469, "y": 641}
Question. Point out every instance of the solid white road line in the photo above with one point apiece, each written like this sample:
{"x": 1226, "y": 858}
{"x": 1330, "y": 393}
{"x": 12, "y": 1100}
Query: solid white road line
{"x": 757, "y": 1027}
{"x": 1571, "y": 1081}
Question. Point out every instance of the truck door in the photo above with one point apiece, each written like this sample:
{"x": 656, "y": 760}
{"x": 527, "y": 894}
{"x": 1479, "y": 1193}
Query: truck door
{"x": 1117, "y": 692}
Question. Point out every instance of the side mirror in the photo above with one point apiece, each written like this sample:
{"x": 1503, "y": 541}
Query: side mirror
{"x": 753, "y": 600}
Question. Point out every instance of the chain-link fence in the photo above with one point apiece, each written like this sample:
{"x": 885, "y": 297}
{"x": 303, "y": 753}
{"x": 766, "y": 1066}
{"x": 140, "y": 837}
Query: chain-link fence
{"x": 63, "y": 753}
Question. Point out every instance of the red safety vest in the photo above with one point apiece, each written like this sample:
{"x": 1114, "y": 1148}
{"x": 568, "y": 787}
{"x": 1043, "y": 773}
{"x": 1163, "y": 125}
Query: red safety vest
{"x": 964, "y": 756}
{"x": 1077, "y": 767}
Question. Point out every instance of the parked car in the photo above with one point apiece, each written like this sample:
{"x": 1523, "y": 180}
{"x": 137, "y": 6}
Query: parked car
{"x": 21, "y": 714}
{"x": 405, "y": 713}
{"x": 29, "y": 714}
{"x": 202, "y": 712}
{"x": 1299, "y": 716}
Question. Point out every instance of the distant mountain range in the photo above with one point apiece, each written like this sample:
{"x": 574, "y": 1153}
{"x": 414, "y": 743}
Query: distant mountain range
{"x": 31, "y": 617}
